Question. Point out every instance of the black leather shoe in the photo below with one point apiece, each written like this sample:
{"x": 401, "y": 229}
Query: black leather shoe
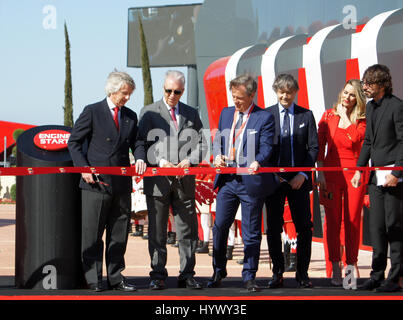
{"x": 229, "y": 255}
{"x": 124, "y": 286}
{"x": 157, "y": 284}
{"x": 190, "y": 283}
{"x": 369, "y": 285}
{"x": 276, "y": 281}
{"x": 215, "y": 281}
{"x": 95, "y": 287}
{"x": 203, "y": 248}
{"x": 171, "y": 237}
{"x": 388, "y": 286}
{"x": 251, "y": 286}
{"x": 139, "y": 231}
{"x": 303, "y": 281}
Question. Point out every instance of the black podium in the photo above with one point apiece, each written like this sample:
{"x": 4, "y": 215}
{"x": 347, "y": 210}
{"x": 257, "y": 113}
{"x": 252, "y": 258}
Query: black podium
{"x": 48, "y": 214}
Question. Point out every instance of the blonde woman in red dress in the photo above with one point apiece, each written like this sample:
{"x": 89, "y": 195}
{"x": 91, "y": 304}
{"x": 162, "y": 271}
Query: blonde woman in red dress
{"x": 342, "y": 131}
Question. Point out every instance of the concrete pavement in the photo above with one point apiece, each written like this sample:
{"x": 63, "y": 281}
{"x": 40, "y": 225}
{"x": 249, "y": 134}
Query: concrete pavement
{"x": 138, "y": 261}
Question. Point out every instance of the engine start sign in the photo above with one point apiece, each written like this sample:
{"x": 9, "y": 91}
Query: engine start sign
{"x": 53, "y": 140}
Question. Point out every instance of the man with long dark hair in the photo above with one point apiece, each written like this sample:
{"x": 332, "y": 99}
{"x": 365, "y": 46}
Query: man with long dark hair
{"x": 383, "y": 145}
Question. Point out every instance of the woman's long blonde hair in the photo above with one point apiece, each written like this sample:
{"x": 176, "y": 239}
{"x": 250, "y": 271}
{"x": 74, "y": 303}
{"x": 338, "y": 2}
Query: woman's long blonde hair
{"x": 358, "y": 111}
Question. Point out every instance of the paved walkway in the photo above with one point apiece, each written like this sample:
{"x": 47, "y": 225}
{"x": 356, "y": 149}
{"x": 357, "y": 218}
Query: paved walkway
{"x": 138, "y": 261}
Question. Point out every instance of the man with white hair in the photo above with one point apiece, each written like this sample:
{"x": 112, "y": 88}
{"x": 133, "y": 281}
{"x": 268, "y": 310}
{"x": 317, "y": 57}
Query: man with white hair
{"x": 101, "y": 137}
{"x": 171, "y": 132}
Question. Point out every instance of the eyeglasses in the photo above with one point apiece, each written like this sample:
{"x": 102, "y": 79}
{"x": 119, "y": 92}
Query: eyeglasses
{"x": 176, "y": 92}
{"x": 366, "y": 83}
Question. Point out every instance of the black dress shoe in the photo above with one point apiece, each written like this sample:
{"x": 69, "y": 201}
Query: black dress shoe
{"x": 124, "y": 286}
{"x": 215, "y": 281}
{"x": 95, "y": 287}
{"x": 369, "y": 285}
{"x": 251, "y": 286}
{"x": 276, "y": 281}
{"x": 203, "y": 248}
{"x": 388, "y": 286}
{"x": 157, "y": 284}
{"x": 189, "y": 283}
{"x": 303, "y": 281}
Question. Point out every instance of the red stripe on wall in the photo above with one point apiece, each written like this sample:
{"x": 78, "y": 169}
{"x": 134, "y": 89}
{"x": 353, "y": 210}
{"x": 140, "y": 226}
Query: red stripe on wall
{"x": 303, "y": 90}
{"x": 260, "y": 96}
{"x": 352, "y": 69}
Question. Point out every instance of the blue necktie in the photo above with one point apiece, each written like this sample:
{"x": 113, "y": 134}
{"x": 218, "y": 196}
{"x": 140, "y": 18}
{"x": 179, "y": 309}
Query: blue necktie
{"x": 285, "y": 147}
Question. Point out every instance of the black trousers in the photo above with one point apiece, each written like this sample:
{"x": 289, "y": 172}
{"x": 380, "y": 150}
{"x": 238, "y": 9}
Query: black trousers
{"x": 386, "y": 228}
{"x": 102, "y": 212}
{"x": 299, "y": 202}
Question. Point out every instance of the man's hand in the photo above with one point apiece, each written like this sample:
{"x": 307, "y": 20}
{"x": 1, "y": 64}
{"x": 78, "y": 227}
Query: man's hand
{"x": 254, "y": 167}
{"x": 167, "y": 164}
{"x": 185, "y": 163}
{"x": 219, "y": 161}
{"x": 87, "y": 177}
{"x": 297, "y": 181}
{"x": 141, "y": 166}
{"x": 390, "y": 181}
{"x": 356, "y": 180}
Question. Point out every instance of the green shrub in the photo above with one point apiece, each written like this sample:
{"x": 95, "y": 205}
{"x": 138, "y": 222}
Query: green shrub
{"x": 13, "y": 192}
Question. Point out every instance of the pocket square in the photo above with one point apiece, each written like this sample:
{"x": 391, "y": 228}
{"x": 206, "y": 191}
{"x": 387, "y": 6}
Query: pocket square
{"x": 253, "y": 132}
{"x": 302, "y": 125}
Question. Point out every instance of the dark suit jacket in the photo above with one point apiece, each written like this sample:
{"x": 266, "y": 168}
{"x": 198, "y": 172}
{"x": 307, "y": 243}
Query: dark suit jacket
{"x": 257, "y": 145}
{"x": 161, "y": 140}
{"x": 383, "y": 144}
{"x": 305, "y": 139}
{"x": 96, "y": 142}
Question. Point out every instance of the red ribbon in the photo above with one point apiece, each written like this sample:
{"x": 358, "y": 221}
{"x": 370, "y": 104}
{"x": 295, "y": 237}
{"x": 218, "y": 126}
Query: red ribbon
{"x": 151, "y": 171}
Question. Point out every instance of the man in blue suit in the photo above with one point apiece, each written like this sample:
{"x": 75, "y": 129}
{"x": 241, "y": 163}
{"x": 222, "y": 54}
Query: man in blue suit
{"x": 244, "y": 139}
{"x": 295, "y": 145}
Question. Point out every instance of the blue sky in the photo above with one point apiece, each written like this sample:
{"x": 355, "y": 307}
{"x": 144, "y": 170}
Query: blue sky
{"x": 32, "y": 55}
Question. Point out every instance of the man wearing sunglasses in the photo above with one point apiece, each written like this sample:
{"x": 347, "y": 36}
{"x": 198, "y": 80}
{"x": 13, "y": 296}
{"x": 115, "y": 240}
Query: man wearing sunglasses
{"x": 171, "y": 132}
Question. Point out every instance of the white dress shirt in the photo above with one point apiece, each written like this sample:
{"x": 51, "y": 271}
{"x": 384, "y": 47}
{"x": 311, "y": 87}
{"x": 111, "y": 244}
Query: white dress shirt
{"x": 112, "y": 106}
{"x": 244, "y": 121}
{"x": 164, "y": 161}
{"x": 291, "y": 116}
{"x": 177, "y": 115}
